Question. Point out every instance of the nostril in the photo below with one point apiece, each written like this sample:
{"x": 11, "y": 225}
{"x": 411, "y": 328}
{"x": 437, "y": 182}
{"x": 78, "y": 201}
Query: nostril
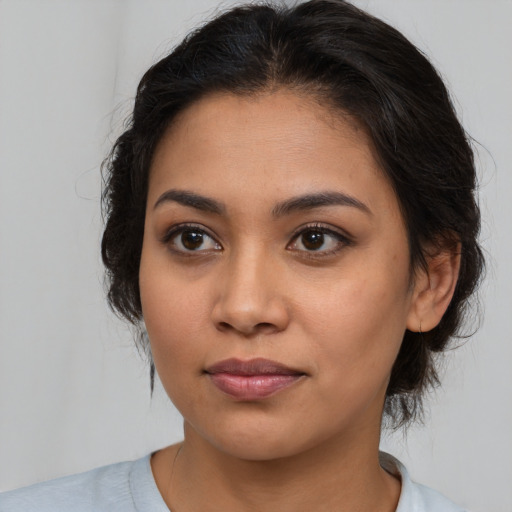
{"x": 224, "y": 326}
{"x": 249, "y": 314}
{"x": 262, "y": 327}
{"x": 265, "y": 327}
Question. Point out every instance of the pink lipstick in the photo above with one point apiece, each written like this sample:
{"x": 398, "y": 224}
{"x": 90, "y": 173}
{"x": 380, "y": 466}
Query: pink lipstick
{"x": 255, "y": 379}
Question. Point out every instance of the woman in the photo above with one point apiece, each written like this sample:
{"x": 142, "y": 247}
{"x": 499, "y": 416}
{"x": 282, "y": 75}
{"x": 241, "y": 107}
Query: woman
{"x": 291, "y": 223}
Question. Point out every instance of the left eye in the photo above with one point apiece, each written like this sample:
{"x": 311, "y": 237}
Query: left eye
{"x": 318, "y": 240}
{"x": 191, "y": 239}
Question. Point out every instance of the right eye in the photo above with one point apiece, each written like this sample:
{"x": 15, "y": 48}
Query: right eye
{"x": 190, "y": 239}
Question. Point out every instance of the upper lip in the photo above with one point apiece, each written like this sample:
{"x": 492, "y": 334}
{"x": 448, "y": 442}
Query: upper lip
{"x": 258, "y": 366}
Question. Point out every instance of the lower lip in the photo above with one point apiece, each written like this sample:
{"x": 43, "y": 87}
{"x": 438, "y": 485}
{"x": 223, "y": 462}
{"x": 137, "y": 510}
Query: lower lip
{"x": 252, "y": 387}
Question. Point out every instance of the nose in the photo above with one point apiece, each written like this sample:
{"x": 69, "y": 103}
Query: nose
{"x": 250, "y": 300}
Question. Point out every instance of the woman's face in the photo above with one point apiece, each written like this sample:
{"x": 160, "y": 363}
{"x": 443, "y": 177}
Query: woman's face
{"x": 274, "y": 278}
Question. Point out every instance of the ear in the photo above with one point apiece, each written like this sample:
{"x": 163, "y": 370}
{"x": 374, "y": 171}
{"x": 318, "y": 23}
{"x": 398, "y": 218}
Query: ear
{"x": 433, "y": 288}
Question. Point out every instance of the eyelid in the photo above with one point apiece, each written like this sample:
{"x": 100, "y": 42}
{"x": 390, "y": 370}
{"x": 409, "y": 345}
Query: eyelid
{"x": 324, "y": 228}
{"x": 340, "y": 235}
{"x": 343, "y": 237}
{"x": 179, "y": 228}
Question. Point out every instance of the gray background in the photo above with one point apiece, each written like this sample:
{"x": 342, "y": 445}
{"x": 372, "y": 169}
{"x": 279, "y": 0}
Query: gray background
{"x": 73, "y": 392}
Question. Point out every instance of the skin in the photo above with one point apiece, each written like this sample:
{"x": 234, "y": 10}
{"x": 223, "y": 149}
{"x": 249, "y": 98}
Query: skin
{"x": 253, "y": 287}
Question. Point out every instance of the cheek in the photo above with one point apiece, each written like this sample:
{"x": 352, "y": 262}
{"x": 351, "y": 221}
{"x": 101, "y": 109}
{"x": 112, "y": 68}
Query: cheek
{"x": 358, "y": 320}
{"x": 175, "y": 336}
{"x": 175, "y": 312}
{"x": 172, "y": 318}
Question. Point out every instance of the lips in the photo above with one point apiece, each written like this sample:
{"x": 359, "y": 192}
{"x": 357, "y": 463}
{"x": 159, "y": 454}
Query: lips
{"x": 251, "y": 380}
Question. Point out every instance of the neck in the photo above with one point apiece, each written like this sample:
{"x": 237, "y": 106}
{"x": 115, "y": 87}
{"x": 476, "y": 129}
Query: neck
{"x": 342, "y": 475}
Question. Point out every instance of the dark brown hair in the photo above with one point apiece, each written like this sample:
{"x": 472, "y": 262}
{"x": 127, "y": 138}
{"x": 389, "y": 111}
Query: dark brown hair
{"x": 345, "y": 58}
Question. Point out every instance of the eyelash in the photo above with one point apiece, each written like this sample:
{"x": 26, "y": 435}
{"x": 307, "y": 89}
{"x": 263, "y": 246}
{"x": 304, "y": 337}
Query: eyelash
{"x": 180, "y": 229}
{"x": 342, "y": 240}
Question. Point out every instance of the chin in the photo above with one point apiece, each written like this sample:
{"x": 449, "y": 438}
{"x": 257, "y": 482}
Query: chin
{"x": 259, "y": 442}
{"x": 255, "y": 451}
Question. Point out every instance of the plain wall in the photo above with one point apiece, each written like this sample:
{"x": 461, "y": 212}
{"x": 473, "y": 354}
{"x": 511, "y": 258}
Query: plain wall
{"x": 74, "y": 394}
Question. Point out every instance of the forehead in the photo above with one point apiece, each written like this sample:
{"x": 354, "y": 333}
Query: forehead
{"x": 287, "y": 117}
{"x": 279, "y": 143}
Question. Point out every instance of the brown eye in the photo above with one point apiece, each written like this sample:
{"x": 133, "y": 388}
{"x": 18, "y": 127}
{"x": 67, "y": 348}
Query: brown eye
{"x": 318, "y": 239}
{"x": 312, "y": 240}
{"x": 189, "y": 239}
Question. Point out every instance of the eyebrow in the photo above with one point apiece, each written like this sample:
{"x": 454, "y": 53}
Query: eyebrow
{"x": 299, "y": 203}
{"x": 317, "y": 200}
{"x": 192, "y": 200}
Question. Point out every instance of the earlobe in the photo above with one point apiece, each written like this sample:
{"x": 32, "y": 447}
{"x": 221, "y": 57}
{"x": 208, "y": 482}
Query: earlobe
{"x": 433, "y": 289}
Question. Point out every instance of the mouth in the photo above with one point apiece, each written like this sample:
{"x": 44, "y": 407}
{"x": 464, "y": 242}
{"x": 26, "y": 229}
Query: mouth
{"x": 252, "y": 380}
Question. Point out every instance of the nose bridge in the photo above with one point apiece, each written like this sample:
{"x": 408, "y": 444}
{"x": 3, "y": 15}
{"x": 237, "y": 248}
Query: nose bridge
{"x": 249, "y": 297}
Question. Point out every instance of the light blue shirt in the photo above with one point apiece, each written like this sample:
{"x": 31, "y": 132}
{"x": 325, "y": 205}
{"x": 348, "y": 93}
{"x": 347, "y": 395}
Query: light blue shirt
{"x": 130, "y": 487}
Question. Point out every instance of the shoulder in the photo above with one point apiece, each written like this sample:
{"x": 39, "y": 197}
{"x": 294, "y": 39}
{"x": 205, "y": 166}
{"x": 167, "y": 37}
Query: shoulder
{"x": 101, "y": 489}
{"x": 427, "y": 499}
{"x": 415, "y": 497}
